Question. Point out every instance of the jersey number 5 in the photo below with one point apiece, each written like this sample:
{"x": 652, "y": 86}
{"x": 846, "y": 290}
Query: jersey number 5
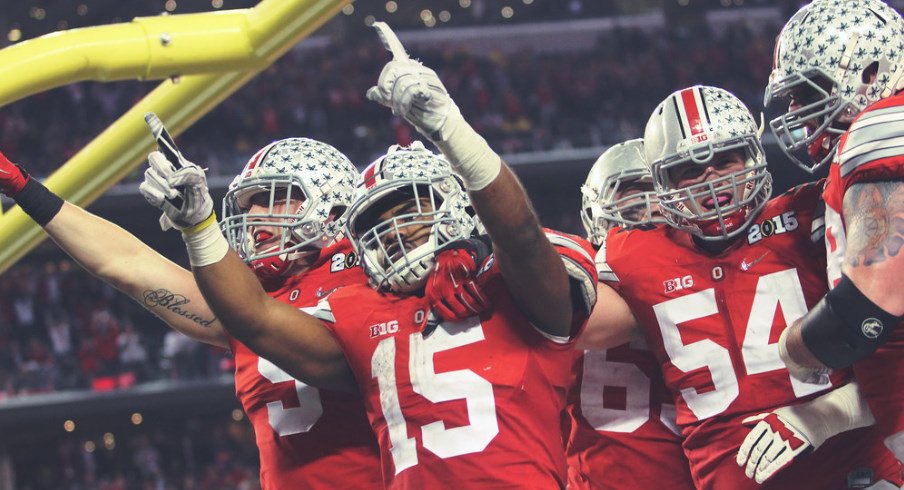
{"x": 462, "y": 384}
{"x": 295, "y": 420}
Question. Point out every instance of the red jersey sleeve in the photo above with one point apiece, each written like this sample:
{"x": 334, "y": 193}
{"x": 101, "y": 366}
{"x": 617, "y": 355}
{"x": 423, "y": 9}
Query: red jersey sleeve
{"x": 873, "y": 148}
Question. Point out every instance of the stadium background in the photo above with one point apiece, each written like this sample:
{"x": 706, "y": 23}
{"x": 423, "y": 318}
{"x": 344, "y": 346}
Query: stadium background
{"x": 96, "y": 393}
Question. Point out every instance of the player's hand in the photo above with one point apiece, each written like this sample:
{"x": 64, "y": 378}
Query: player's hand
{"x": 12, "y": 178}
{"x": 453, "y": 289}
{"x": 413, "y": 91}
{"x": 806, "y": 374}
{"x": 773, "y": 444}
{"x": 180, "y": 193}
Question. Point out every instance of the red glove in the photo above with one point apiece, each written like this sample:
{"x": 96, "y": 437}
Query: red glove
{"x": 453, "y": 289}
{"x": 12, "y": 178}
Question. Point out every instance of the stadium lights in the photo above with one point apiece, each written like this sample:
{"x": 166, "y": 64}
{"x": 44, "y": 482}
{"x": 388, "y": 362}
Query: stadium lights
{"x": 348, "y": 9}
{"x": 69, "y": 426}
{"x": 445, "y": 16}
{"x": 15, "y": 34}
{"x": 137, "y": 419}
{"x": 508, "y": 12}
{"x": 464, "y": 3}
{"x": 237, "y": 415}
{"x": 391, "y": 6}
{"x": 216, "y": 3}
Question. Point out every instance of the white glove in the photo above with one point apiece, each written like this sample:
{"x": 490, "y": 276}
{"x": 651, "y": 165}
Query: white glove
{"x": 165, "y": 188}
{"x": 806, "y": 374}
{"x": 788, "y": 432}
{"x": 415, "y": 93}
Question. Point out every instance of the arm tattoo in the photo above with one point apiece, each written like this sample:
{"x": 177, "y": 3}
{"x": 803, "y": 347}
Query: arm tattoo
{"x": 174, "y": 303}
{"x": 874, "y": 213}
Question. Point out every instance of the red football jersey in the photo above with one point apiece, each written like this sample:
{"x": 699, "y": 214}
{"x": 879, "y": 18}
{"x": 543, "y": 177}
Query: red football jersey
{"x": 308, "y": 438}
{"x": 713, "y": 322}
{"x": 470, "y": 404}
{"x": 622, "y": 423}
{"x": 871, "y": 151}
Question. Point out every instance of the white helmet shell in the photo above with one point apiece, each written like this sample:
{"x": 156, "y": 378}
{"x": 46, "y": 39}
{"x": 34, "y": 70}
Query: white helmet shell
{"x": 314, "y": 181}
{"x": 690, "y": 127}
{"x": 438, "y": 201}
{"x": 601, "y": 208}
{"x": 847, "y": 54}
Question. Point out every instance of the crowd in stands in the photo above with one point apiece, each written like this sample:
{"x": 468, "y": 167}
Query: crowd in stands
{"x": 194, "y": 453}
{"x": 522, "y": 101}
{"x": 63, "y": 329}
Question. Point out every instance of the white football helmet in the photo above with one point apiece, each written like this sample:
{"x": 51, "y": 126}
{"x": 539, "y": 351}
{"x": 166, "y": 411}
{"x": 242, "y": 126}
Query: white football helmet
{"x": 838, "y": 56}
{"x": 438, "y": 201}
{"x": 601, "y": 208}
{"x": 689, "y": 128}
{"x": 314, "y": 181}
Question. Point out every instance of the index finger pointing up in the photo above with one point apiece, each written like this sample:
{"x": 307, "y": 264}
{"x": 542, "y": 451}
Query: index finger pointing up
{"x": 391, "y": 41}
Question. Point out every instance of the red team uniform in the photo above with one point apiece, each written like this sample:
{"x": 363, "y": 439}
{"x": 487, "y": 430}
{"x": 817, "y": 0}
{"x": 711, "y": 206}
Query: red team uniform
{"x": 713, "y": 323}
{"x": 470, "y": 404}
{"x": 622, "y": 423}
{"x": 308, "y": 438}
{"x": 870, "y": 151}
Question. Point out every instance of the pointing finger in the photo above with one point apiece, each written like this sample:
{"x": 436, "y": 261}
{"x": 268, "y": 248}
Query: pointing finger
{"x": 391, "y": 41}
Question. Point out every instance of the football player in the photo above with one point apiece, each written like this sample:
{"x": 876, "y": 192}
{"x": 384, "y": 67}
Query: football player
{"x": 712, "y": 292}
{"x": 840, "y": 66}
{"x": 621, "y": 413}
{"x": 282, "y": 213}
{"x": 471, "y": 404}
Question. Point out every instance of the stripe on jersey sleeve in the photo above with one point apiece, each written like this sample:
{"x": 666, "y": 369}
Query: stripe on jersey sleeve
{"x": 874, "y": 136}
{"x": 323, "y": 311}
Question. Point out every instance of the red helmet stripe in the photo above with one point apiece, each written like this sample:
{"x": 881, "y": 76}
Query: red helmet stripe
{"x": 369, "y": 172}
{"x": 689, "y": 100}
{"x": 255, "y": 160}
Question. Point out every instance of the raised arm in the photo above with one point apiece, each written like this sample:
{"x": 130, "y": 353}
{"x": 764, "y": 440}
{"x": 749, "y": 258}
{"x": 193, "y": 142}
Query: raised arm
{"x": 116, "y": 257}
{"x": 534, "y": 272}
{"x": 860, "y": 313}
{"x": 293, "y": 340}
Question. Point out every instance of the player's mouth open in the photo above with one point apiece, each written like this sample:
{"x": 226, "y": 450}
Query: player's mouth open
{"x": 722, "y": 198}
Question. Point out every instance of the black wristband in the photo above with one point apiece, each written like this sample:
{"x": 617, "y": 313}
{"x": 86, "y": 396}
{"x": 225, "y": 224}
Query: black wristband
{"x": 38, "y": 202}
{"x": 846, "y": 326}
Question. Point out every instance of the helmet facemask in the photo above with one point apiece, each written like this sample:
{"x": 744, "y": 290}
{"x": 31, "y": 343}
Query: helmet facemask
{"x": 379, "y": 222}
{"x": 298, "y": 190}
{"x": 809, "y": 134}
{"x": 398, "y": 249}
{"x": 749, "y": 189}
{"x": 612, "y": 206}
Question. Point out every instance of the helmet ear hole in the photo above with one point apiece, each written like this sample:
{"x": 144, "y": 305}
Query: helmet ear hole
{"x": 869, "y": 73}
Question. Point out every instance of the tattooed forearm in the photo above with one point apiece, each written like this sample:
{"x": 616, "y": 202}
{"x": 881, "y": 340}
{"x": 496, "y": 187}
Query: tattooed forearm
{"x": 174, "y": 303}
{"x": 874, "y": 213}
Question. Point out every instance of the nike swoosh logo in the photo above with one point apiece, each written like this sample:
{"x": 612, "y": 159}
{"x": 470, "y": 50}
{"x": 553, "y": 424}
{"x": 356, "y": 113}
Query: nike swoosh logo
{"x": 746, "y": 266}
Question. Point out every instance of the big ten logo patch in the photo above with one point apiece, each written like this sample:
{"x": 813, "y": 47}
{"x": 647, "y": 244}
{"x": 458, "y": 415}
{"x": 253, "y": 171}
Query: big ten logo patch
{"x": 341, "y": 261}
{"x": 775, "y": 225}
{"x": 385, "y": 328}
{"x": 678, "y": 283}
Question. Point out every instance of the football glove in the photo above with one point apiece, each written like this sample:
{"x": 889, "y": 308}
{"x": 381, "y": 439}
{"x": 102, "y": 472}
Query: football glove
{"x": 413, "y": 91}
{"x": 180, "y": 193}
{"x": 772, "y": 445}
{"x": 783, "y": 435}
{"x": 416, "y": 94}
{"x": 453, "y": 290}
{"x": 12, "y": 177}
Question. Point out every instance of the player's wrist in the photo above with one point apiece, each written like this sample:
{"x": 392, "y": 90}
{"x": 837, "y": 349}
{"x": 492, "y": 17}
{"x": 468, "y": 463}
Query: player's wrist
{"x": 469, "y": 153}
{"x": 205, "y": 242}
{"x": 837, "y": 411}
{"x": 789, "y": 346}
{"x": 37, "y": 201}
